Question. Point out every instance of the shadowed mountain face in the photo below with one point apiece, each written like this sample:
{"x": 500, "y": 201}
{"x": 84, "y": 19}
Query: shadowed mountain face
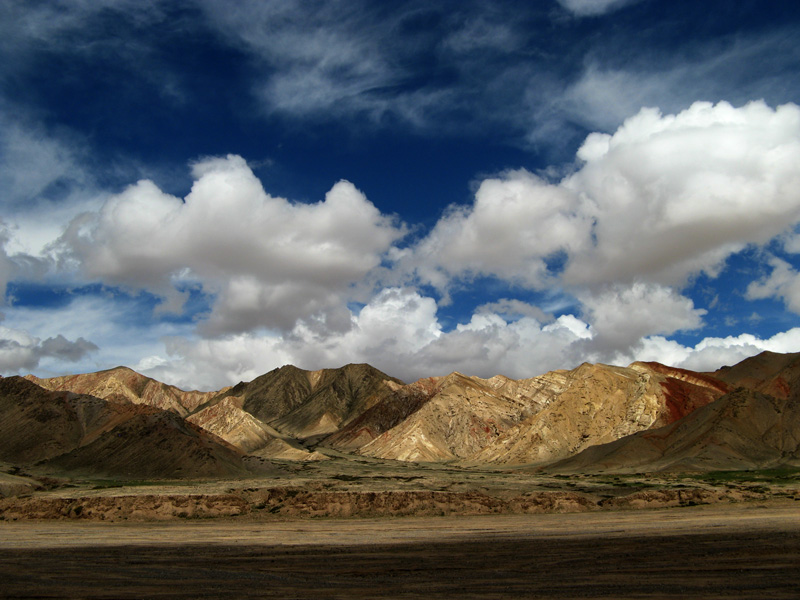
{"x": 75, "y": 432}
{"x": 36, "y": 424}
{"x": 771, "y": 373}
{"x": 154, "y": 443}
{"x": 313, "y": 403}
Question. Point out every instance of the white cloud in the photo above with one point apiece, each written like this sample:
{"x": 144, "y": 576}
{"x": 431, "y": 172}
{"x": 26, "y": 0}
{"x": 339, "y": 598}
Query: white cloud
{"x": 621, "y": 315}
{"x": 398, "y": 331}
{"x": 662, "y": 199}
{"x": 511, "y": 309}
{"x": 316, "y": 59}
{"x": 675, "y": 195}
{"x": 783, "y": 283}
{"x": 791, "y": 243}
{"x": 269, "y": 261}
{"x": 713, "y": 352}
{"x": 43, "y": 182}
{"x": 7, "y": 268}
{"x": 211, "y": 364}
{"x": 516, "y": 222}
{"x": 31, "y": 162}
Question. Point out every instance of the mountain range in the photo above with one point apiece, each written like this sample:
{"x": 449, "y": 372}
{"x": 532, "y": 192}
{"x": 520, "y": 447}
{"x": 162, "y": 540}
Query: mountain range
{"x": 641, "y": 418}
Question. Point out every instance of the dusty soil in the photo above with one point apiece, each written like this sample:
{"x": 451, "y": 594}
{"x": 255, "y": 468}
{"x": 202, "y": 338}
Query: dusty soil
{"x": 719, "y": 551}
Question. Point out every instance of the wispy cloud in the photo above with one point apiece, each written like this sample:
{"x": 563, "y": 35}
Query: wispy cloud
{"x": 585, "y": 8}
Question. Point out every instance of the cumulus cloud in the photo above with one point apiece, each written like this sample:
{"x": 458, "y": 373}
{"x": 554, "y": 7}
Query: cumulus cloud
{"x": 397, "y": 331}
{"x": 622, "y": 315}
{"x": 268, "y": 261}
{"x": 515, "y": 224}
{"x": 674, "y": 195}
{"x": 662, "y": 199}
{"x": 783, "y": 283}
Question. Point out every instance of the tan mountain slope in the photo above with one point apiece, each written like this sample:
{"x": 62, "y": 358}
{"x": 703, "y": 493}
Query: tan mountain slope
{"x": 382, "y": 416}
{"x": 537, "y": 420}
{"x": 122, "y": 384}
{"x": 446, "y": 418}
{"x": 239, "y": 428}
{"x": 226, "y": 420}
{"x": 600, "y": 404}
{"x": 744, "y": 429}
{"x": 76, "y": 432}
{"x": 312, "y": 403}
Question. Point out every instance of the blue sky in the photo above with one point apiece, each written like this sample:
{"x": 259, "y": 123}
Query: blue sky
{"x": 204, "y": 191}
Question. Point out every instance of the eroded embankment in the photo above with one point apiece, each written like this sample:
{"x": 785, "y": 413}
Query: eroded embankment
{"x": 299, "y": 503}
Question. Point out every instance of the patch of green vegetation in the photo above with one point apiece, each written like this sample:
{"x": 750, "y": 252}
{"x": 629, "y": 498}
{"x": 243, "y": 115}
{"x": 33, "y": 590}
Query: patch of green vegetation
{"x": 343, "y": 477}
{"x": 776, "y": 476}
{"x": 101, "y": 484}
{"x": 620, "y": 481}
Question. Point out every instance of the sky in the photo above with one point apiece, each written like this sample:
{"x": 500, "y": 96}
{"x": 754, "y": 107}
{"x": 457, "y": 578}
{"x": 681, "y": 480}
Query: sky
{"x": 204, "y": 191}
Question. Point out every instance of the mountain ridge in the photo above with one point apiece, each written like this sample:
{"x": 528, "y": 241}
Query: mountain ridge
{"x": 297, "y": 415}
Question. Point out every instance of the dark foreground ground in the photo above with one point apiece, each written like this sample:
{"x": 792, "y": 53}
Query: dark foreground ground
{"x": 702, "y": 552}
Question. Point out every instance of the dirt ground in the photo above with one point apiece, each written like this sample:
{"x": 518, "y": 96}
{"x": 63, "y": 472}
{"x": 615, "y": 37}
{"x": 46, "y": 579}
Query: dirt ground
{"x": 716, "y": 551}
{"x": 380, "y": 529}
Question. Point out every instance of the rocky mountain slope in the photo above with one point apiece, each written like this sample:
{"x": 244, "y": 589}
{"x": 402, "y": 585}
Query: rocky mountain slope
{"x": 312, "y": 403}
{"x": 122, "y": 384}
{"x": 744, "y": 429}
{"x": 532, "y": 421}
{"x": 81, "y": 433}
{"x": 274, "y": 415}
{"x": 769, "y": 372}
